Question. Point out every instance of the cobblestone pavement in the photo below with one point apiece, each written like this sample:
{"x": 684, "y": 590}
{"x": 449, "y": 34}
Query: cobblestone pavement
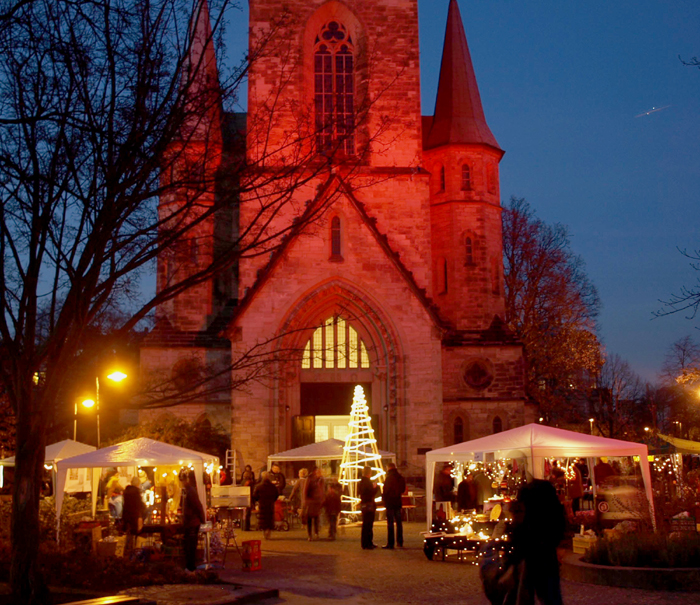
{"x": 340, "y": 572}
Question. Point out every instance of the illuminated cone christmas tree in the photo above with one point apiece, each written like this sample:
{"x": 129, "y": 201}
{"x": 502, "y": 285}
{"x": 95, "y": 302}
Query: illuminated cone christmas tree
{"x": 360, "y": 451}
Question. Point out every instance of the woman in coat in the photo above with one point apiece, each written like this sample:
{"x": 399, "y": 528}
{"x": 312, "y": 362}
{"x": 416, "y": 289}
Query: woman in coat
{"x": 266, "y": 495}
{"x": 315, "y": 495}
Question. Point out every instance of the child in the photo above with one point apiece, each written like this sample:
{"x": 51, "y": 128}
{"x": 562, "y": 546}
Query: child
{"x": 332, "y": 506}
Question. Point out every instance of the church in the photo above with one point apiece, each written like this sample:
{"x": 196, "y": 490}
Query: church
{"x": 397, "y": 282}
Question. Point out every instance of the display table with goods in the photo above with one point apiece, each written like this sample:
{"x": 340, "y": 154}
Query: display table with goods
{"x": 467, "y": 535}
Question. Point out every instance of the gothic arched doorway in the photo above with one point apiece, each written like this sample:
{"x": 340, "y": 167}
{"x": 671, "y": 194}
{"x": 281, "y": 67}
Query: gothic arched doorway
{"x": 344, "y": 341}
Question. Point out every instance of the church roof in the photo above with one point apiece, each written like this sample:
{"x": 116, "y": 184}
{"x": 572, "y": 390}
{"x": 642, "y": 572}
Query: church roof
{"x": 459, "y": 117}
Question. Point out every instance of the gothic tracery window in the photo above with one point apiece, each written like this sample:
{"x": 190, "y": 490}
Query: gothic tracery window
{"x": 458, "y": 430}
{"x": 335, "y": 345}
{"x": 334, "y": 89}
{"x": 497, "y": 425}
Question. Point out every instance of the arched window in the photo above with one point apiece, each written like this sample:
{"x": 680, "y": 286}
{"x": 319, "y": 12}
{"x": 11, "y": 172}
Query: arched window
{"x": 497, "y": 425}
{"x": 334, "y": 89}
{"x": 495, "y": 276}
{"x": 469, "y": 251}
{"x": 442, "y": 179}
{"x": 441, "y": 276}
{"x": 466, "y": 178}
{"x": 335, "y": 239}
{"x": 458, "y": 430}
{"x": 491, "y": 178}
{"x": 335, "y": 344}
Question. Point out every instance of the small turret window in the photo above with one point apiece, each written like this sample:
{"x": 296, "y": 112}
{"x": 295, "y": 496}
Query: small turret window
{"x": 469, "y": 251}
{"x": 442, "y": 179}
{"x": 491, "y": 178}
{"x": 466, "y": 178}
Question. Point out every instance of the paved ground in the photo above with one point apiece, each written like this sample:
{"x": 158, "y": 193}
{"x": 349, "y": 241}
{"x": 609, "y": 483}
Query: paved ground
{"x": 341, "y": 573}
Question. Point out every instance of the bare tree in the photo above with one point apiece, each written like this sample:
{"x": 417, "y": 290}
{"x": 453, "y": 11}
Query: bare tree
{"x": 111, "y": 156}
{"x": 551, "y": 305}
{"x": 618, "y": 406}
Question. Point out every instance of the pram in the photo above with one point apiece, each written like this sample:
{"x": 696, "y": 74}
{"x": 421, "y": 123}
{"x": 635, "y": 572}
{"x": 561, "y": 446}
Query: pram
{"x": 281, "y": 521}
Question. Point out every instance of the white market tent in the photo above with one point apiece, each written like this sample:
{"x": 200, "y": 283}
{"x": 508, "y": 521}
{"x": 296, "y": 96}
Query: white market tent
{"x": 58, "y": 451}
{"x": 330, "y": 449}
{"x": 535, "y": 442}
{"x": 134, "y": 453}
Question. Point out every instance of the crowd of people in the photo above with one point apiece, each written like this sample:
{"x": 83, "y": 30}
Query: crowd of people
{"x": 311, "y": 496}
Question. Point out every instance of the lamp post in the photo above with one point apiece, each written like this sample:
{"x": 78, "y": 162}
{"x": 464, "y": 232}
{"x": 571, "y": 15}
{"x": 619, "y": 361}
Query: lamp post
{"x": 591, "y": 421}
{"x": 116, "y": 376}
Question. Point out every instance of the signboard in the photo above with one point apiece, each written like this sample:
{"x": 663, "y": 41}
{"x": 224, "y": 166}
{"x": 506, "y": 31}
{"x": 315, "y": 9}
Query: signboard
{"x": 684, "y": 525}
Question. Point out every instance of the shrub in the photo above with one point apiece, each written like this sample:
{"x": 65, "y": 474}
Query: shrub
{"x": 646, "y": 550}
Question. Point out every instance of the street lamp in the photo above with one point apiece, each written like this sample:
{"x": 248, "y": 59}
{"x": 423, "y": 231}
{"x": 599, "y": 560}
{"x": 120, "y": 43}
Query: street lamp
{"x": 680, "y": 427}
{"x": 116, "y": 376}
{"x": 591, "y": 421}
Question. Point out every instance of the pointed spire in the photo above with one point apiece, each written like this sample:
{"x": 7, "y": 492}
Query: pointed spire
{"x": 202, "y": 56}
{"x": 459, "y": 116}
{"x": 203, "y": 95}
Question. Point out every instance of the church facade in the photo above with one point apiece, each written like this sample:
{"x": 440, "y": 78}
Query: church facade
{"x": 396, "y": 285}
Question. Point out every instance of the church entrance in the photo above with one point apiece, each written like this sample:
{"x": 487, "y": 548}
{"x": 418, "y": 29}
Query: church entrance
{"x": 325, "y": 411}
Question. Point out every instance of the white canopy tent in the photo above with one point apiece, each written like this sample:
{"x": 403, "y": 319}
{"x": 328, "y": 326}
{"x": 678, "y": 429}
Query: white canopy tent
{"x": 330, "y": 449}
{"x": 535, "y": 442}
{"x": 134, "y": 453}
{"x": 55, "y": 452}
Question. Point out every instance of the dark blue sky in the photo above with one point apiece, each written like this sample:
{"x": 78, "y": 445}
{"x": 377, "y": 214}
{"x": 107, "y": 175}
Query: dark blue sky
{"x": 561, "y": 84}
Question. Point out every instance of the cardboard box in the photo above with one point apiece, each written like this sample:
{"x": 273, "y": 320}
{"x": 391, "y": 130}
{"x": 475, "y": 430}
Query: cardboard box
{"x": 583, "y": 543}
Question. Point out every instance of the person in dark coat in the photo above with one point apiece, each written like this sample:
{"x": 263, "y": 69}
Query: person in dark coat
{"x": 266, "y": 495}
{"x": 444, "y": 485}
{"x": 367, "y": 491}
{"x": 278, "y": 479}
{"x": 192, "y": 517}
{"x": 333, "y": 506}
{"x": 314, "y": 491}
{"x": 132, "y": 514}
{"x": 466, "y": 493}
{"x": 394, "y": 487}
{"x": 535, "y": 540}
{"x": 248, "y": 480}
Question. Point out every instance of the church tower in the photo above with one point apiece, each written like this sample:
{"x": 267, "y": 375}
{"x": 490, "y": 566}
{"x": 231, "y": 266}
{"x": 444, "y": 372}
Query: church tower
{"x": 462, "y": 155}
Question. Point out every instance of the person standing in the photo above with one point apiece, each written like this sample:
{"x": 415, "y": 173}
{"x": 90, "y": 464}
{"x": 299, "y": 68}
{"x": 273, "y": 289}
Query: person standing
{"x": 266, "y": 495}
{"x": 315, "y": 494}
{"x": 394, "y": 487}
{"x": 192, "y": 517}
{"x": 332, "y": 504}
{"x": 535, "y": 538}
{"x": 297, "y": 499}
{"x": 367, "y": 491}
{"x": 132, "y": 515}
{"x": 466, "y": 493}
{"x": 278, "y": 479}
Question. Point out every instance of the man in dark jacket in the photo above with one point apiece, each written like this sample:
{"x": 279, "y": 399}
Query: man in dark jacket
{"x": 132, "y": 515}
{"x": 192, "y": 517}
{"x": 278, "y": 479}
{"x": 394, "y": 487}
{"x": 366, "y": 491}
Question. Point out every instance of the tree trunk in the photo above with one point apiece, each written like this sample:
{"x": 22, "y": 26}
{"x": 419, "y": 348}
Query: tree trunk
{"x": 28, "y": 586}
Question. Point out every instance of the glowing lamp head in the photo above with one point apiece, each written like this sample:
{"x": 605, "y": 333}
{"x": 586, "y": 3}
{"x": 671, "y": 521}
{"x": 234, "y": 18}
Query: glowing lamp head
{"x": 88, "y": 403}
{"x": 117, "y": 376}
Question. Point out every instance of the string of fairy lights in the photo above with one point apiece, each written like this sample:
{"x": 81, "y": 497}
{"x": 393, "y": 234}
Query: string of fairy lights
{"x": 360, "y": 450}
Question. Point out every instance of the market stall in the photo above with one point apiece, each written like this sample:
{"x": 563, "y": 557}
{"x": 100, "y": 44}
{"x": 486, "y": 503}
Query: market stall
{"x": 77, "y": 481}
{"x": 534, "y": 445}
{"x": 330, "y": 449}
{"x": 131, "y": 455}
